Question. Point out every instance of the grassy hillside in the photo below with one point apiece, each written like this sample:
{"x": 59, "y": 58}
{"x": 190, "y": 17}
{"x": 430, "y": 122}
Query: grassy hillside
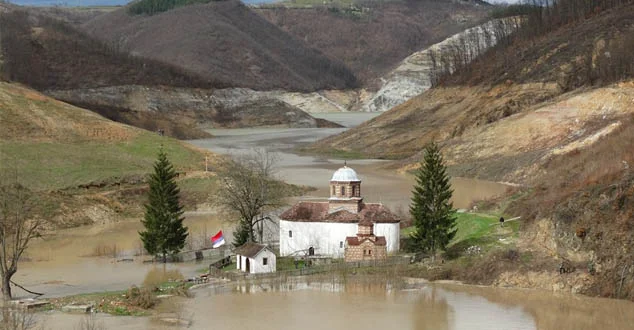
{"x": 45, "y": 53}
{"x": 372, "y": 37}
{"x": 225, "y": 41}
{"x": 52, "y": 145}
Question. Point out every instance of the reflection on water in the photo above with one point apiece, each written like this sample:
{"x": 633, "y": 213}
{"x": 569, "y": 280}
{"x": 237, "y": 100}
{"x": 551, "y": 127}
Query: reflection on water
{"x": 552, "y": 311}
{"x": 310, "y": 303}
{"x": 296, "y": 303}
{"x": 339, "y": 305}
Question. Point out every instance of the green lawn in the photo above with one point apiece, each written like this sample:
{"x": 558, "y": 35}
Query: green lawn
{"x": 287, "y": 263}
{"x": 477, "y": 229}
{"x": 50, "y": 166}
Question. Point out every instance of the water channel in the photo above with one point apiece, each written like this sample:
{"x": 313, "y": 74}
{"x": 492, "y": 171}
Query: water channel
{"x": 58, "y": 267}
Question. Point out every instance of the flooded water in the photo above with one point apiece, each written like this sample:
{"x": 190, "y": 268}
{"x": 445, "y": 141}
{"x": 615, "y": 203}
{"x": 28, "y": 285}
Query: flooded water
{"x": 331, "y": 305}
{"x": 63, "y": 264}
{"x": 378, "y": 185}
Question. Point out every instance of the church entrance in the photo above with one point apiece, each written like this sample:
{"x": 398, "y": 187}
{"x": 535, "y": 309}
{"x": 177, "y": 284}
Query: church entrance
{"x": 248, "y": 266}
{"x": 311, "y": 251}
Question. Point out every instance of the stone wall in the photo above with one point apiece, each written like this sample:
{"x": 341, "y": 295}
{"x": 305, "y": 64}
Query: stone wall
{"x": 365, "y": 251}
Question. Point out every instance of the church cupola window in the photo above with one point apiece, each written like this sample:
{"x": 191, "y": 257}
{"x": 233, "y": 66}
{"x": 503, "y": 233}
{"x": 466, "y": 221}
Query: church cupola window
{"x": 345, "y": 191}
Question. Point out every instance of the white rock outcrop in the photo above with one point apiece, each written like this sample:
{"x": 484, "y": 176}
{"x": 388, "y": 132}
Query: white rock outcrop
{"x": 412, "y": 76}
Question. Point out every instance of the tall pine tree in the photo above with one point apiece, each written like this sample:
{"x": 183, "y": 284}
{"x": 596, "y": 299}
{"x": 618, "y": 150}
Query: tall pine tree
{"x": 431, "y": 208}
{"x": 164, "y": 231}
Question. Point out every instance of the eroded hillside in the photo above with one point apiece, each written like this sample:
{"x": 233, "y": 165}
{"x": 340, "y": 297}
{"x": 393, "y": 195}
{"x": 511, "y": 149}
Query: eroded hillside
{"x": 551, "y": 110}
{"x": 372, "y": 37}
{"x": 545, "y": 70}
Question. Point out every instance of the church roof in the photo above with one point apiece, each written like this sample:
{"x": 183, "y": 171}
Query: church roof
{"x": 319, "y": 212}
{"x": 380, "y": 240}
{"x": 345, "y": 174}
{"x": 249, "y": 249}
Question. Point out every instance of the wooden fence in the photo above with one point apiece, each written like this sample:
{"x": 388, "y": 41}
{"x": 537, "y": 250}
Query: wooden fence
{"x": 334, "y": 267}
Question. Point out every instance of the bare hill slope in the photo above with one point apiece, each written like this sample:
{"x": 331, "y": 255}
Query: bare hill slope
{"x": 551, "y": 110}
{"x": 224, "y": 41}
{"x": 534, "y": 72}
{"x": 373, "y": 37}
{"x": 46, "y": 53}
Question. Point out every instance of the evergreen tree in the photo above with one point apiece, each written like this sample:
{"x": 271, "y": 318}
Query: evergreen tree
{"x": 241, "y": 235}
{"x": 431, "y": 208}
{"x": 164, "y": 231}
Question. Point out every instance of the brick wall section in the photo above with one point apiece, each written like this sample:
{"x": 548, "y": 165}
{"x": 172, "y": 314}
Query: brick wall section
{"x": 365, "y": 229}
{"x": 365, "y": 251}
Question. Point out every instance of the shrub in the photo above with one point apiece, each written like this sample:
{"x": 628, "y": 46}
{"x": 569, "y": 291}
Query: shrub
{"x": 141, "y": 297}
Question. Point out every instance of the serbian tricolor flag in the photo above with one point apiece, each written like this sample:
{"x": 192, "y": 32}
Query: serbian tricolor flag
{"x": 217, "y": 240}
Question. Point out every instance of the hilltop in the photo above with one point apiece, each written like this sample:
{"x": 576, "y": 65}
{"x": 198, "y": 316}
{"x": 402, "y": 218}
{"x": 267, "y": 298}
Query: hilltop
{"x": 373, "y": 37}
{"x": 55, "y": 57}
{"x": 224, "y": 41}
{"x": 45, "y": 53}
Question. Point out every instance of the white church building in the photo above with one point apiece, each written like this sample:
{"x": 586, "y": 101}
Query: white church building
{"x": 321, "y": 228}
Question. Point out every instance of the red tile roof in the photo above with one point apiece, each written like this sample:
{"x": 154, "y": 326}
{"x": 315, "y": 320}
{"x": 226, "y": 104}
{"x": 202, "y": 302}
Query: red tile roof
{"x": 380, "y": 240}
{"x": 318, "y": 212}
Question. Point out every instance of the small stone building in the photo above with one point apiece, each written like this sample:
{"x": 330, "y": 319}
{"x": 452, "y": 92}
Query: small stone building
{"x": 255, "y": 258}
{"x": 365, "y": 246}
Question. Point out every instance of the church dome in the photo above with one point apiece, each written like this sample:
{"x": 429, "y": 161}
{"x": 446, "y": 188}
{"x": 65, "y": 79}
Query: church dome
{"x": 345, "y": 174}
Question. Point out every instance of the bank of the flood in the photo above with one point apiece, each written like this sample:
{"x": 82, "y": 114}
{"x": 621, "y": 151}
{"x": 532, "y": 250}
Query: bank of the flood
{"x": 63, "y": 265}
{"x": 373, "y": 302}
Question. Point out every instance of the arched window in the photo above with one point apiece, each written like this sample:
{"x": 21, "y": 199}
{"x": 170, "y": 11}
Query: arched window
{"x": 333, "y": 191}
{"x": 343, "y": 191}
{"x": 353, "y": 191}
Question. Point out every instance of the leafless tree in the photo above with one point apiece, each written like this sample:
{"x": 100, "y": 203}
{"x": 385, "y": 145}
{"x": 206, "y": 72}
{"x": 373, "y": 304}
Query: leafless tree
{"x": 17, "y": 228}
{"x": 249, "y": 189}
{"x": 90, "y": 322}
{"x": 17, "y": 318}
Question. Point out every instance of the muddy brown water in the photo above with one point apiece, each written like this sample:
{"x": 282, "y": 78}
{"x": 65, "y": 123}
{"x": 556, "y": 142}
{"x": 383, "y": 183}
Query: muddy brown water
{"x": 378, "y": 185}
{"x": 328, "y": 305}
{"x": 61, "y": 265}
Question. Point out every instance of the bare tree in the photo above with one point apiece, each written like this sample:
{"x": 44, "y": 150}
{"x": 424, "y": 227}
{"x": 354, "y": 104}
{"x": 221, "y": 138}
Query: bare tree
{"x": 17, "y": 228}
{"x": 90, "y": 322}
{"x": 249, "y": 189}
{"x": 17, "y": 318}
